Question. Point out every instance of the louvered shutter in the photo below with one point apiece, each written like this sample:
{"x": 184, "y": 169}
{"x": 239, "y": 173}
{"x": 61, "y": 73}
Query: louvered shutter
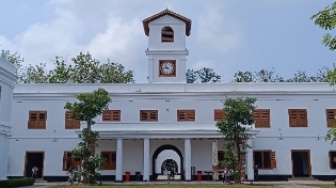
{"x": 273, "y": 160}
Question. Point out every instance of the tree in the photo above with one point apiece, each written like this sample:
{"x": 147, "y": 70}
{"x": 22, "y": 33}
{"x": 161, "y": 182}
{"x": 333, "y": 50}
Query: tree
{"x": 191, "y": 76}
{"x": 243, "y": 76}
{"x": 208, "y": 75}
{"x": 238, "y": 114}
{"x": 86, "y": 69}
{"x": 15, "y": 59}
{"x": 89, "y": 106}
{"x": 326, "y": 19}
{"x": 114, "y": 73}
{"x": 265, "y": 75}
{"x": 61, "y": 73}
{"x": 35, "y": 74}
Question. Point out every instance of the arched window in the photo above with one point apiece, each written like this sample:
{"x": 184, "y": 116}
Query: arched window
{"x": 167, "y": 34}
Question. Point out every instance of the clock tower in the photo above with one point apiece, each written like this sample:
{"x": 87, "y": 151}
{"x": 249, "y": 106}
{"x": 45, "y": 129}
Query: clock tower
{"x": 167, "y": 53}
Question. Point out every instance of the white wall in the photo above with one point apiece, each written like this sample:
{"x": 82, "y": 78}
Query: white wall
{"x": 7, "y": 79}
{"x": 154, "y": 38}
{"x": 167, "y": 103}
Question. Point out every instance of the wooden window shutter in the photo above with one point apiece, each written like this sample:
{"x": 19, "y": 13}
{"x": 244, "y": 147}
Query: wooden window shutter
{"x": 219, "y": 114}
{"x": 33, "y": 120}
{"x": 190, "y": 115}
{"x": 302, "y": 118}
{"x": 330, "y": 159}
{"x": 292, "y": 118}
{"x": 148, "y": 115}
{"x": 111, "y": 115}
{"x": 262, "y": 117}
{"x": 116, "y": 115}
{"x": 181, "y": 115}
{"x": 37, "y": 119}
{"x": 71, "y": 123}
{"x": 297, "y": 117}
{"x": 273, "y": 160}
{"x": 331, "y": 117}
{"x": 106, "y": 115}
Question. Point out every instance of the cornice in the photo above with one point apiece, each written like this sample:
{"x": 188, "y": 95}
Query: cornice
{"x": 164, "y": 134}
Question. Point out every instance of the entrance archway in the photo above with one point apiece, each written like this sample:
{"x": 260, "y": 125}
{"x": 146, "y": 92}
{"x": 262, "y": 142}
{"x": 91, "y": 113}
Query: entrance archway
{"x": 156, "y": 154}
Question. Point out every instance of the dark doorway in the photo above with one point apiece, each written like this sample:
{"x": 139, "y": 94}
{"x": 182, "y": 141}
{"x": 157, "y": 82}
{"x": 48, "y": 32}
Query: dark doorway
{"x": 156, "y": 154}
{"x": 34, "y": 159}
{"x": 301, "y": 163}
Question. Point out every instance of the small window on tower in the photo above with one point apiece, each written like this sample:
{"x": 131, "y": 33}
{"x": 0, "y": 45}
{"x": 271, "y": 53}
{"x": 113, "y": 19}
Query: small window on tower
{"x": 167, "y": 34}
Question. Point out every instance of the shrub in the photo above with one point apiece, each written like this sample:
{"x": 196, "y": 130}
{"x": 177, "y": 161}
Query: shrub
{"x": 17, "y": 182}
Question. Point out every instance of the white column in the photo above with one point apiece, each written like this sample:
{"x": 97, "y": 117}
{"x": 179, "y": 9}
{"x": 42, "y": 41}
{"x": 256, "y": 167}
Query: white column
{"x": 146, "y": 160}
{"x": 119, "y": 169}
{"x": 187, "y": 157}
{"x": 249, "y": 161}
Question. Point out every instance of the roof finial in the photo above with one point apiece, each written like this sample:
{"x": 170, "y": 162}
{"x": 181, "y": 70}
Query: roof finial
{"x": 167, "y": 4}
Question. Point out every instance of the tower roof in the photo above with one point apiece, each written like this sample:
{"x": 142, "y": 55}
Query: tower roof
{"x": 186, "y": 20}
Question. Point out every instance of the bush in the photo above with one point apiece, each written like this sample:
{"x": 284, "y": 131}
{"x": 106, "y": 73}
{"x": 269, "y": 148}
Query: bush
{"x": 17, "y": 182}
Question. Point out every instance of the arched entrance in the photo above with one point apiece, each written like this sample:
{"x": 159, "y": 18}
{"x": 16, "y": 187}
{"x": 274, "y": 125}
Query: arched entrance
{"x": 156, "y": 154}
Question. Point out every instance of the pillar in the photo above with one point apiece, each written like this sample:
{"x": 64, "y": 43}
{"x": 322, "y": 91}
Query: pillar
{"x": 146, "y": 160}
{"x": 187, "y": 155}
{"x": 119, "y": 167}
{"x": 249, "y": 161}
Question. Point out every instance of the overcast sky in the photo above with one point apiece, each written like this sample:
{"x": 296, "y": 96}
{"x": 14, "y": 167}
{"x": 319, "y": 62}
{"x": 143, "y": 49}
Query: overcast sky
{"x": 226, "y": 35}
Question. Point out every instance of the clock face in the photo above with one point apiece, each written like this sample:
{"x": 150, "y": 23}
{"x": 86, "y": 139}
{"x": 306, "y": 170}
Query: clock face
{"x": 167, "y": 68}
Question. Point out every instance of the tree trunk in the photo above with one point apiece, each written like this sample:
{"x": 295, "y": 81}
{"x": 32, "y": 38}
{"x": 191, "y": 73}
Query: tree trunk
{"x": 238, "y": 162}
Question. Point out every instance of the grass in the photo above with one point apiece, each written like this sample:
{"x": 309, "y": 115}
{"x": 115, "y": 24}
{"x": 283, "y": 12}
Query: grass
{"x": 182, "y": 185}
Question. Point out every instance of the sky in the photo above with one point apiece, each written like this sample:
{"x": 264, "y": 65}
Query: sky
{"x": 226, "y": 35}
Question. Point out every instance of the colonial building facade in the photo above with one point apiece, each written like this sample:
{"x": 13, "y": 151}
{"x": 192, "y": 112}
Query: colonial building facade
{"x": 7, "y": 79}
{"x": 287, "y": 139}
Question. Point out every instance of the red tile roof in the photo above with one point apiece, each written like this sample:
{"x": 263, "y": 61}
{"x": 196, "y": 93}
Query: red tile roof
{"x": 187, "y": 21}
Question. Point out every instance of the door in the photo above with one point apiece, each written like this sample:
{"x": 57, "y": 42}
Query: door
{"x": 301, "y": 163}
{"x": 34, "y": 159}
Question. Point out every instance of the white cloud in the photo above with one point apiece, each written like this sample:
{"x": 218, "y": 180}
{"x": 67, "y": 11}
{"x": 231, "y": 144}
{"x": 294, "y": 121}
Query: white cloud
{"x": 216, "y": 31}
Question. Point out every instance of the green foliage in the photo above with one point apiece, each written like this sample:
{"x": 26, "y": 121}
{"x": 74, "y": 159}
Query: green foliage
{"x": 238, "y": 114}
{"x": 270, "y": 76}
{"x": 88, "y": 106}
{"x": 229, "y": 157}
{"x": 17, "y": 182}
{"x": 326, "y": 19}
{"x": 331, "y": 135}
{"x": 61, "y": 72}
{"x": 35, "y": 74}
{"x": 86, "y": 69}
{"x": 205, "y": 75}
{"x": 15, "y": 59}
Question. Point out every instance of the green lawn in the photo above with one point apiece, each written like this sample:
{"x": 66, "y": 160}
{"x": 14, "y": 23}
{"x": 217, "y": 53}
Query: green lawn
{"x": 182, "y": 185}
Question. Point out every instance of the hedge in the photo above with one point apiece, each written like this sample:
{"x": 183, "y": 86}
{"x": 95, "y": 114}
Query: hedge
{"x": 17, "y": 182}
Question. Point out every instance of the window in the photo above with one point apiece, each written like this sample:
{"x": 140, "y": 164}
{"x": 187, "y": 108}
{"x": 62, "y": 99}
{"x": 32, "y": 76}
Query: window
{"x": 71, "y": 123}
{"x": 297, "y": 117}
{"x": 219, "y": 114}
{"x": 69, "y": 161}
{"x": 167, "y": 34}
{"x": 110, "y": 160}
{"x": 37, "y": 119}
{"x": 331, "y": 117}
{"x": 185, "y": 115}
{"x": 262, "y": 118}
{"x": 332, "y": 159}
{"x": 264, "y": 159}
{"x": 111, "y": 115}
{"x": 148, "y": 115}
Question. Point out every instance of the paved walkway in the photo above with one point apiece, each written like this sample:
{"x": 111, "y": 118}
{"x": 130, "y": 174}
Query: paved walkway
{"x": 283, "y": 184}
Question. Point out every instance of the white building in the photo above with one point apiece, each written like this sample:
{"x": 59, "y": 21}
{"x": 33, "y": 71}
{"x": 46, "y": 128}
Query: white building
{"x": 168, "y": 114}
{"x": 7, "y": 79}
